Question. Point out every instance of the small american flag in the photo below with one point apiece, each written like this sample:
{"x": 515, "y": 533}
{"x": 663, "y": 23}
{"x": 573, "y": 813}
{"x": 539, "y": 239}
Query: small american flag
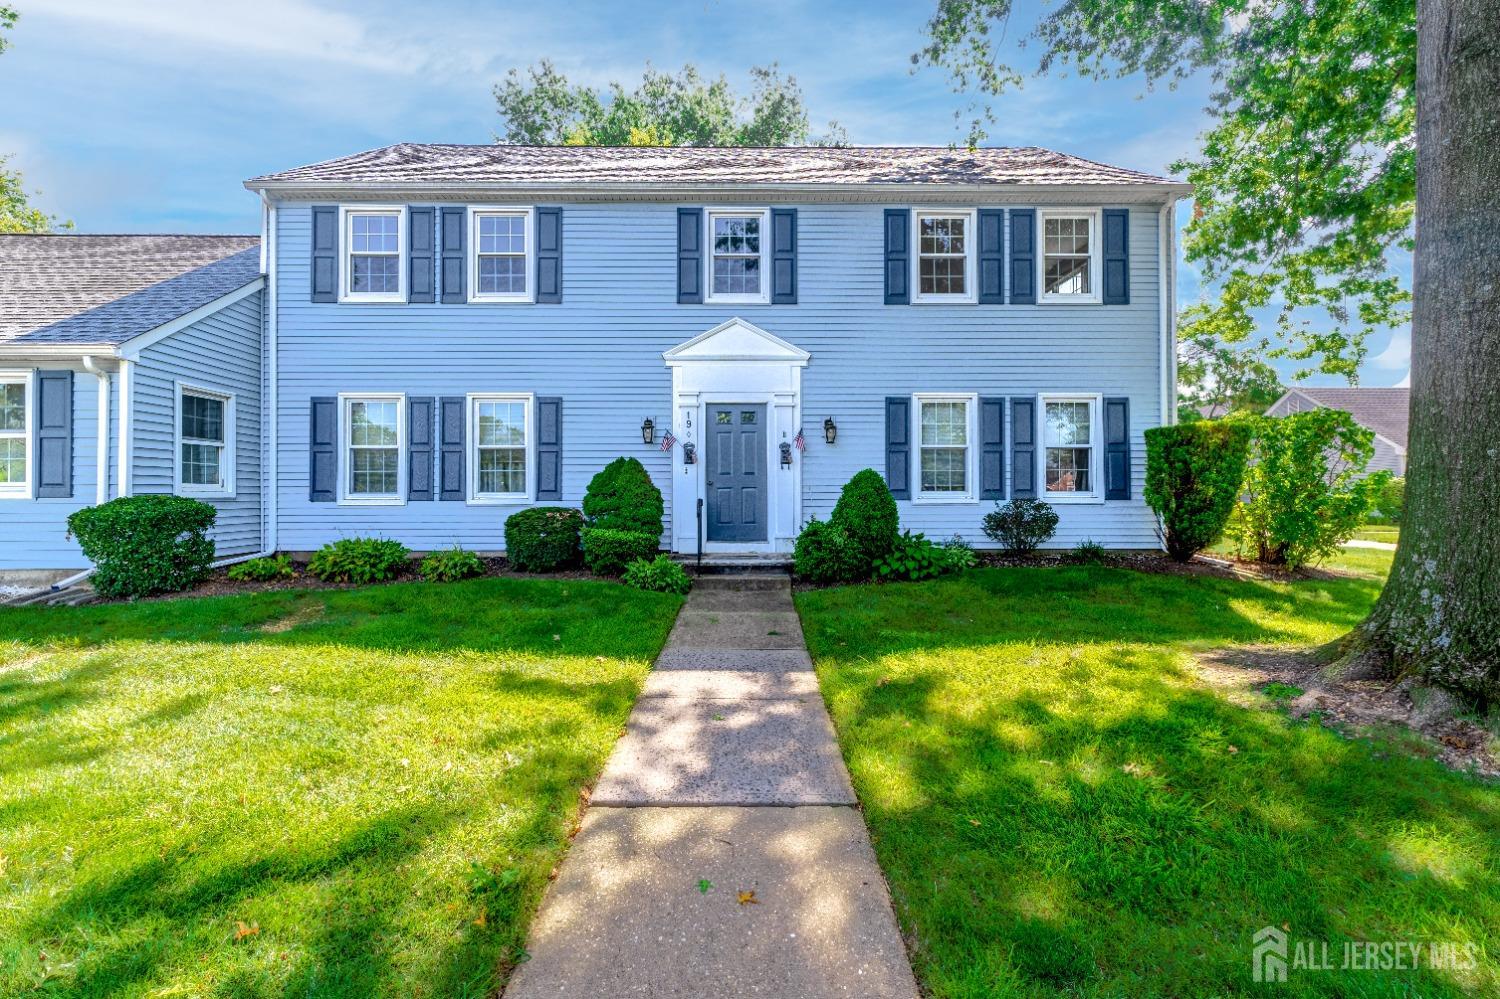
{"x": 800, "y": 441}
{"x": 668, "y": 441}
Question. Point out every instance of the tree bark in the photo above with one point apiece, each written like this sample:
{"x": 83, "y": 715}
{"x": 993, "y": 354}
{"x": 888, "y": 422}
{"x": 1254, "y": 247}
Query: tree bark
{"x": 1439, "y": 614}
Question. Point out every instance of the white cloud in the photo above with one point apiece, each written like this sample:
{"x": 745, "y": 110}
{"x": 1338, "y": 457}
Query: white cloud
{"x": 1397, "y": 353}
{"x": 1405, "y": 381}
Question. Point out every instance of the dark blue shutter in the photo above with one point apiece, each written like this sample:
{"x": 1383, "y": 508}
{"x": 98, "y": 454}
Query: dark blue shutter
{"x": 54, "y": 434}
{"x": 452, "y": 420}
{"x": 451, "y": 252}
{"x": 325, "y": 253}
{"x": 991, "y": 256}
{"x": 992, "y": 448}
{"x": 897, "y": 256}
{"x": 549, "y": 255}
{"x": 1022, "y": 256}
{"x": 419, "y": 447}
{"x": 1116, "y": 256}
{"x": 420, "y": 233}
{"x": 898, "y": 445}
{"x": 1117, "y": 448}
{"x": 783, "y": 256}
{"x": 549, "y": 448}
{"x": 689, "y": 256}
{"x": 1023, "y": 447}
{"x": 323, "y": 451}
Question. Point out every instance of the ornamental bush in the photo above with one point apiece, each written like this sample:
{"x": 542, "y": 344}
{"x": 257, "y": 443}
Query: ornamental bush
{"x": 1390, "y": 502}
{"x": 660, "y": 575}
{"x": 1305, "y": 491}
{"x": 622, "y": 497}
{"x": 914, "y": 557}
{"x": 866, "y": 512}
{"x": 543, "y": 538}
{"x": 825, "y": 553}
{"x": 1020, "y": 525}
{"x": 359, "y": 560}
{"x": 142, "y": 545}
{"x": 1193, "y": 476}
{"x": 262, "y": 570}
{"x": 451, "y": 565}
{"x": 607, "y": 551}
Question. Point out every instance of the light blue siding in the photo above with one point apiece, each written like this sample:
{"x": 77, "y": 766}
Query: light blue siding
{"x": 33, "y": 532}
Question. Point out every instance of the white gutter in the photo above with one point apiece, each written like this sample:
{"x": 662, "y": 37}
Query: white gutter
{"x": 272, "y": 401}
{"x": 123, "y": 487}
{"x": 101, "y": 466}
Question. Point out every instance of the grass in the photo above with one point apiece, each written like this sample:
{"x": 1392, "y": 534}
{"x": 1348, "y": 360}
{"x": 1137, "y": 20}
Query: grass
{"x": 1063, "y": 809}
{"x": 1388, "y": 533}
{"x": 335, "y": 793}
{"x": 1374, "y": 563}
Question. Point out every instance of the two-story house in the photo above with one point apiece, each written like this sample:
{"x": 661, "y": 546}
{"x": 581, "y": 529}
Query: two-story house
{"x": 452, "y": 333}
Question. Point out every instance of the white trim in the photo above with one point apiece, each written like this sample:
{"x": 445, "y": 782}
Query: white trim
{"x": 1166, "y": 264}
{"x": 228, "y": 452}
{"x": 346, "y": 272}
{"x": 771, "y": 347}
{"x": 1095, "y": 294}
{"x": 101, "y": 423}
{"x": 270, "y": 422}
{"x": 763, "y": 297}
{"x": 398, "y": 498}
{"x": 1096, "y": 447}
{"x": 971, "y": 256}
{"x": 636, "y": 191}
{"x": 27, "y": 379}
{"x": 132, "y": 348}
{"x": 971, "y": 448}
{"x": 471, "y": 446}
{"x": 124, "y": 449}
{"x": 471, "y": 220}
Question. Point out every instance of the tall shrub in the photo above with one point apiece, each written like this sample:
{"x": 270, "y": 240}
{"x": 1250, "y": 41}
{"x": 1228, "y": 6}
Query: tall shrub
{"x": 1193, "y": 476}
{"x": 543, "y": 538}
{"x": 1304, "y": 490}
{"x": 142, "y": 545}
{"x": 622, "y": 497}
{"x": 866, "y": 512}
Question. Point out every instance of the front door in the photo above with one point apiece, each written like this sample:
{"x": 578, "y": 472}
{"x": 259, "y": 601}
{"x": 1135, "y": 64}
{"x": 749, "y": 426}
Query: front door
{"x": 735, "y": 473}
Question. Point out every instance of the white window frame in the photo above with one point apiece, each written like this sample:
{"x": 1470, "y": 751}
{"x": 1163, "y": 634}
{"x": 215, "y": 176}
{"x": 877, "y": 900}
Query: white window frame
{"x": 27, "y": 379}
{"x": 971, "y": 256}
{"x": 476, "y": 212}
{"x": 1096, "y": 447}
{"x": 971, "y": 457}
{"x": 228, "y": 455}
{"x": 764, "y": 296}
{"x": 345, "y": 443}
{"x": 346, "y": 252}
{"x": 1096, "y": 272}
{"x": 471, "y": 446}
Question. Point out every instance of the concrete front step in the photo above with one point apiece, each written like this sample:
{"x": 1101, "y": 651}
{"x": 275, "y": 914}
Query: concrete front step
{"x": 745, "y": 581}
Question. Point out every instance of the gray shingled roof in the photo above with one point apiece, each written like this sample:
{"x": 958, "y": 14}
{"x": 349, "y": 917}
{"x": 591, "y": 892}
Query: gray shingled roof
{"x": 419, "y": 163}
{"x": 107, "y": 289}
{"x": 1383, "y": 410}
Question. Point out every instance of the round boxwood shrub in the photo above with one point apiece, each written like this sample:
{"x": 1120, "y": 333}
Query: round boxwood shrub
{"x": 1020, "y": 525}
{"x": 660, "y": 575}
{"x": 142, "y": 545}
{"x": 543, "y": 538}
{"x": 359, "y": 560}
{"x": 607, "y": 551}
{"x": 825, "y": 553}
{"x": 622, "y": 497}
{"x": 866, "y": 512}
{"x": 1194, "y": 472}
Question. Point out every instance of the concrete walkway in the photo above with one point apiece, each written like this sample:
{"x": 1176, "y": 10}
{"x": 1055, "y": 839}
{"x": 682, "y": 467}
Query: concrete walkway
{"x": 1384, "y": 546}
{"x": 720, "y": 856}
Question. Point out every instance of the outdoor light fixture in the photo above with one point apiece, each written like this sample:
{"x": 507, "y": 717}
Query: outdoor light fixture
{"x": 648, "y": 431}
{"x": 786, "y": 453}
{"x": 830, "y": 430}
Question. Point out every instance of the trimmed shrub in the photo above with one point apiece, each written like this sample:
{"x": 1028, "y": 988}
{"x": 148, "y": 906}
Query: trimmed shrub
{"x": 543, "y": 538}
{"x": 824, "y": 553}
{"x": 1087, "y": 552}
{"x": 262, "y": 570}
{"x": 914, "y": 557}
{"x": 359, "y": 560}
{"x": 622, "y": 497}
{"x": 451, "y": 565}
{"x": 1390, "y": 502}
{"x": 1021, "y": 525}
{"x": 660, "y": 575}
{"x": 142, "y": 545}
{"x": 1193, "y": 476}
{"x": 866, "y": 512}
{"x": 607, "y": 551}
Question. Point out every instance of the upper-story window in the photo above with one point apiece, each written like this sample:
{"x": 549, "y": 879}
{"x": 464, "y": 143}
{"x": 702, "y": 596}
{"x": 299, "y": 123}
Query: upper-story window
{"x": 945, "y": 256}
{"x": 374, "y": 239}
{"x": 1070, "y": 256}
{"x": 15, "y": 434}
{"x": 501, "y": 261}
{"x": 738, "y": 243}
{"x": 1070, "y": 453}
{"x": 205, "y": 442}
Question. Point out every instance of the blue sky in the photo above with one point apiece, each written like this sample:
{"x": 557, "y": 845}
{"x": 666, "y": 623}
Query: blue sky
{"x": 147, "y": 115}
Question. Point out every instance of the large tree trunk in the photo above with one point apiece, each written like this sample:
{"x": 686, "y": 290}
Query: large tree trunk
{"x": 1440, "y": 613}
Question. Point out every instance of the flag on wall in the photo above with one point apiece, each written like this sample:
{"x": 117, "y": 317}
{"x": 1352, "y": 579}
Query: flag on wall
{"x": 668, "y": 441}
{"x": 800, "y": 441}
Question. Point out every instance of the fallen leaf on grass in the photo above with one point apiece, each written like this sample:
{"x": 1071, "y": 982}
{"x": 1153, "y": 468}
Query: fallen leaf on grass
{"x": 243, "y": 932}
{"x": 482, "y": 921}
{"x": 748, "y": 898}
{"x": 704, "y": 885}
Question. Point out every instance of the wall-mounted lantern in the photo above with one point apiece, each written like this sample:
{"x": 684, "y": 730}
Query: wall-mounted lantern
{"x": 830, "y": 430}
{"x": 689, "y": 454}
{"x": 786, "y": 454}
{"x": 648, "y": 431}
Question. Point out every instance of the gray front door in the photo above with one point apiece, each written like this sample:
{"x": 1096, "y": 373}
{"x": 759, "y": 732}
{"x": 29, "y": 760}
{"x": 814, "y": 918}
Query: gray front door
{"x": 735, "y": 472}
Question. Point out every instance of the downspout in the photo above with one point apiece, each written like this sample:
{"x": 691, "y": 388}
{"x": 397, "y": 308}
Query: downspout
{"x": 101, "y": 491}
{"x": 272, "y": 401}
{"x": 126, "y": 367}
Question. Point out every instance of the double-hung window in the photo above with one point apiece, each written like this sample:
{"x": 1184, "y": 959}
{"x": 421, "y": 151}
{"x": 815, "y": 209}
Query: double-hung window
{"x": 502, "y": 260}
{"x": 1070, "y": 451}
{"x": 15, "y": 433}
{"x": 945, "y": 446}
{"x": 738, "y": 245}
{"x": 1070, "y": 259}
{"x": 500, "y": 448}
{"x": 944, "y": 259}
{"x": 374, "y": 241}
{"x": 205, "y": 442}
{"x": 375, "y": 442}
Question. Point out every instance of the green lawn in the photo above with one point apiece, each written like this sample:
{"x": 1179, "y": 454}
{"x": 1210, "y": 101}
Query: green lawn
{"x": 1372, "y": 562}
{"x": 368, "y": 787}
{"x": 1389, "y": 533}
{"x": 1063, "y": 809}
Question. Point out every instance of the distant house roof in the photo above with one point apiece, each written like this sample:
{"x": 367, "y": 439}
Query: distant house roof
{"x": 61, "y": 289}
{"x": 1383, "y": 410}
{"x": 421, "y": 163}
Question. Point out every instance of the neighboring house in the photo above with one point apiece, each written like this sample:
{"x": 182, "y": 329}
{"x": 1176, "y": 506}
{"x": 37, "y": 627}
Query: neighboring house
{"x": 453, "y": 333}
{"x": 1383, "y": 410}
